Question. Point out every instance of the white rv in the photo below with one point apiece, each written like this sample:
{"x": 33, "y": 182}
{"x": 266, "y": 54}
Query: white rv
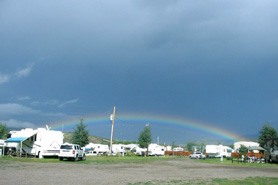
{"x": 178, "y": 149}
{"x": 218, "y": 151}
{"x": 156, "y": 150}
{"x": 39, "y": 142}
{"x": 98, "y": 149}
{"x": 118, "y": 148}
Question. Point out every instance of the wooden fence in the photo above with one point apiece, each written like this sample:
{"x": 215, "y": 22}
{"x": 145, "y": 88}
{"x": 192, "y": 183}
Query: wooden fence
{"x": 178, "y": 153}
{"x": 250, "y": 154}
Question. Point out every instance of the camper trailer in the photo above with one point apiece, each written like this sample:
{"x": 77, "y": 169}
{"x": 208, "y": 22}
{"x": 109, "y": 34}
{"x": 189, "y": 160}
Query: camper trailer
{"x": 118, "y": 148}
{"x": 98, "y": 149}
{"x": 39, "y": 142}
{"x": 218, "y": 151}
{"x": 247, "y": 144}
{"x": 156, "y": 150}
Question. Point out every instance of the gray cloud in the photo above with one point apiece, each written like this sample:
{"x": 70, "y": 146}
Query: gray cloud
{"x": 4, "y": 78}
{"x": 18, "y": 124}
{"x": 16, "y": 109}
{"x": 68, "y": 102}
{"x": 24, "y": 72}
{"x": 20, "y": 73}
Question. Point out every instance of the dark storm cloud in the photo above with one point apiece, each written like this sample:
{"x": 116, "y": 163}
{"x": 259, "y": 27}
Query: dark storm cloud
{"x": 212, "y": 61}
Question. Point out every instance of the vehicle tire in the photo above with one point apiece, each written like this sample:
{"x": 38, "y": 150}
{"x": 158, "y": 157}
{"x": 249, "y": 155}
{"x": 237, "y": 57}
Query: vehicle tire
{"x": 84, "y": 157}
{"x": 190, "y": 157}
{"x": 197, "y": 157}
{"x": 61, "y": 158}
{"x": 76, "y": 158}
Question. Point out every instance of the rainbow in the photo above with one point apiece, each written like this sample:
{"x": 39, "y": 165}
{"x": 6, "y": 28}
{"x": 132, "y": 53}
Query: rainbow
{"x": 165, "y": 121}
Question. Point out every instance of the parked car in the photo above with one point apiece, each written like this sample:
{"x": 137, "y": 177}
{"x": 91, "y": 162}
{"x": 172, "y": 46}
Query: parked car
{"x": 197, "y": 155}
{"x": 71, "y": 151}
{"x": 92, "y": 153}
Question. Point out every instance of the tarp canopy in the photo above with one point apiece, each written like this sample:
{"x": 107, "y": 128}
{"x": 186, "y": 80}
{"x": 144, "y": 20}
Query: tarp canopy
{"x": 255, "y": 148}
{"x": 16, "y": 139}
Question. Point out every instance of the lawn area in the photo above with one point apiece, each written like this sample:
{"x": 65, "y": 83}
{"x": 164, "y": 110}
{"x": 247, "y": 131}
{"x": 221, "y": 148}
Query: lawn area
{"x": 92, "y": 159}
{"x": 247, "y": 181}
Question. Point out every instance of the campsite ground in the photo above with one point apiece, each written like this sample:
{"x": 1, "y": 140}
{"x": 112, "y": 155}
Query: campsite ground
{"x": 169, "y": 170}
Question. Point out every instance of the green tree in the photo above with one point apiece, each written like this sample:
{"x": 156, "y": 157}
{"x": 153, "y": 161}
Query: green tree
{"x": 243, "y": 149}
{"x": 145, "y": 138}
{"x": 190, "y": 145}
{"x": 267, "y": 132}
{"x": 3, "y": 131}
{"x": 80, "y": 134}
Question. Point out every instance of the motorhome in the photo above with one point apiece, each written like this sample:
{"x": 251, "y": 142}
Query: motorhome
{"x": 218, "y": 151}
{"x": 156, "y": 150}
{"x": 39, "y": 142}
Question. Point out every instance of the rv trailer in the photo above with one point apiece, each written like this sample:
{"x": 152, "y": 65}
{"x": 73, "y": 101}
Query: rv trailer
{"x": 218, "y": 151}
{"x": 156, "y": 150}
{"x": 39, "y": 142}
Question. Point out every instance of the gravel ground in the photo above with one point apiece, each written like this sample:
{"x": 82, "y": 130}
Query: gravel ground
{"x": 165, "y": 170}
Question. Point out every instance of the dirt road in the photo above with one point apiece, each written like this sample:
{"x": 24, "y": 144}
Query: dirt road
{"x": 165, "y": 170}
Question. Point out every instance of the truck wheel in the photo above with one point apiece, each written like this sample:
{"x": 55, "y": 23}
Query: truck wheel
{"x": 84, "y": 157}
{"x": 76, "y": 158}
{"x": 61, "y": 158}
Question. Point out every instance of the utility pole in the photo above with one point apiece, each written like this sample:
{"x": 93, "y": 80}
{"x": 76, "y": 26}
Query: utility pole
{"x": 158, "y": 140}
{"x": 112, "y": 130}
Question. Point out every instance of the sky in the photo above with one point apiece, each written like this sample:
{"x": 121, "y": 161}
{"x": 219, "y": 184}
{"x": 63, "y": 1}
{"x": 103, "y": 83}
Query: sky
{"x": 213, "y": 62}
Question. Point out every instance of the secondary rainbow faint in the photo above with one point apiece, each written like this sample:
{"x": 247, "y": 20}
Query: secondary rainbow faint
{"x": 166, "y": 121}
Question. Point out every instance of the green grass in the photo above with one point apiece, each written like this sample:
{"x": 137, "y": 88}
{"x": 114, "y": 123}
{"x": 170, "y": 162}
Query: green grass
{"x": 246, "y": 181}
{"x": 91, "y": 160}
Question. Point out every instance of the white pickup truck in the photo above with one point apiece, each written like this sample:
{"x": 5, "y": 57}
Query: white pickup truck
{"x": 197, "y": 155}
{"x": 71, "y": 151}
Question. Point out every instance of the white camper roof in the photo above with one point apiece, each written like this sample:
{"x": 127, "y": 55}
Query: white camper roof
{"x": 22, "y": 135}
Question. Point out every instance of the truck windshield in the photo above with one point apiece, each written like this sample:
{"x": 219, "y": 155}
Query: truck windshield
{"x": 66, "y": 147}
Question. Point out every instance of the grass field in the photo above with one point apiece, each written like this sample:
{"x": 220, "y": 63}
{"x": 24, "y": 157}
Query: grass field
{"x": 247, "y": 181}
{"x": 134, "y": 159}
{"x": 91, "y": 159}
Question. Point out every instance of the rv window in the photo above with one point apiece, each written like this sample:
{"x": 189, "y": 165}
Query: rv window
{"x": 66, "y": 147}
